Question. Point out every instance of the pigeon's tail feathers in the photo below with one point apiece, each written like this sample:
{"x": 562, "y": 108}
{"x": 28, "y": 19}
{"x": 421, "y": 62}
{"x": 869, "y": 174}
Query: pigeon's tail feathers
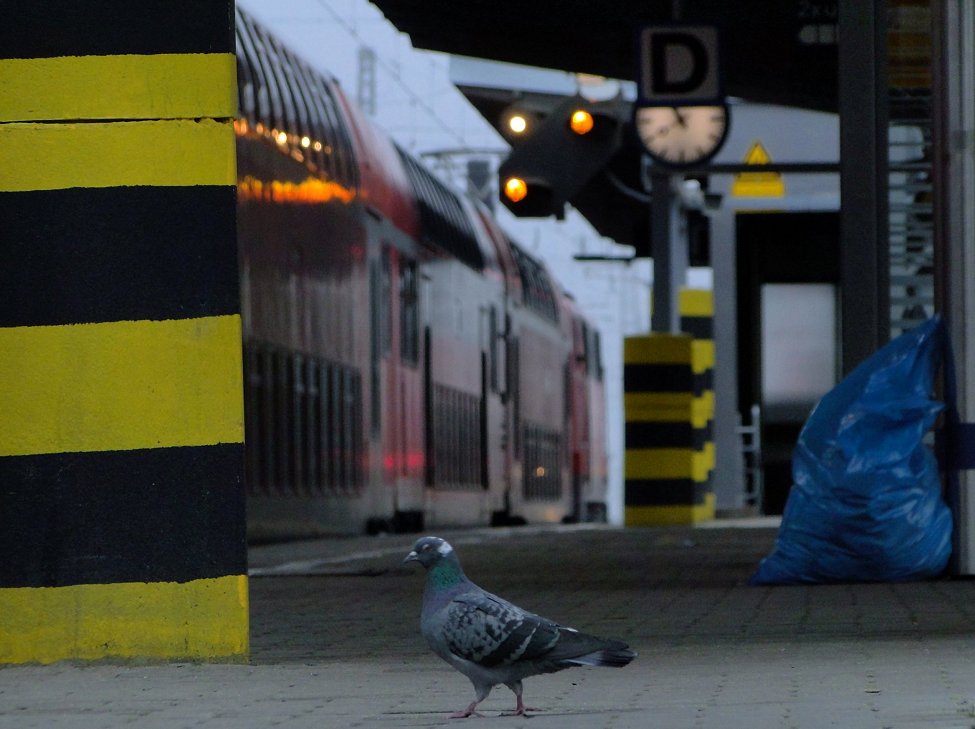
{"x": 612, "y": 657}
{"x": 579, "y": 649}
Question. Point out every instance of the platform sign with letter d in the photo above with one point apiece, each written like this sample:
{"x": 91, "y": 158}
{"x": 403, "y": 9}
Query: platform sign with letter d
{"x": 678, "y": 66}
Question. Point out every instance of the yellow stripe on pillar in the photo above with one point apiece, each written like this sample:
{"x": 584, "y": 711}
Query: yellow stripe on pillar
{"x": 202, "y": 619}
{"x": 673, "y": 515}
{"x": 644, "y": 464}
{"x": 121, "y": 385}
{"x": 113, "y": 154}
{"x": 666, "y": 409}
{"x": 697, "y": 319}
{"x": 161, "y": 86}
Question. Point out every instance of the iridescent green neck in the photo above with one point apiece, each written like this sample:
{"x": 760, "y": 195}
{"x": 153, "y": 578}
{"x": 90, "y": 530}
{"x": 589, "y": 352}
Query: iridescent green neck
{"x": 446, "y": 573}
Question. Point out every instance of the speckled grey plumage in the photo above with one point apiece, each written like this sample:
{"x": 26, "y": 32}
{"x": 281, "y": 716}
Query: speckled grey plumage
{"x": 492, "y": 641}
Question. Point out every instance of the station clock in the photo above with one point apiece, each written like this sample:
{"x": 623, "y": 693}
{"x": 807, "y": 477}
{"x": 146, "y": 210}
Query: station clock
{"x": 681, "y": 136}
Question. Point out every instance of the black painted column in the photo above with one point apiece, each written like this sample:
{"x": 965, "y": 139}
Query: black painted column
{"x": 121, "y": 417}
{"x": 864, "y": 245}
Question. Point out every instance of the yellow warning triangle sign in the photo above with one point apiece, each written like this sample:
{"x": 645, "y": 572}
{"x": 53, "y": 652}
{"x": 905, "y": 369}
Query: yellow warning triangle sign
{"x": 758, "y": 184}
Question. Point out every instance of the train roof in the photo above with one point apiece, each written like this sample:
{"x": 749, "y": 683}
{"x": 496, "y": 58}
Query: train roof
{"x": 279, "y": 94}
{"x": 444, "y": 221}
{"x": 304, "y": 112}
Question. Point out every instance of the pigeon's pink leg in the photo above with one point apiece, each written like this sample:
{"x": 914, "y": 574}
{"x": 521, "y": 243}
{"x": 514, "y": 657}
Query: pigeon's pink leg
{"x": 520, "y": 708}
{"x": 469, "y": 711}
{"x": 480, "y": 693}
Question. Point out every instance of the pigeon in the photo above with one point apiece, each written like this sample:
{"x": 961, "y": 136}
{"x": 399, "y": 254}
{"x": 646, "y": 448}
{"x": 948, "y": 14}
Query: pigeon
{"x": 490, "y": 640}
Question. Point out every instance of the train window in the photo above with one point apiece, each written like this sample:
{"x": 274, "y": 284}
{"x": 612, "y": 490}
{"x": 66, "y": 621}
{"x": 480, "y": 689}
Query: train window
{"x": 306, "y": 99}
{"x": 539, "y": 295}
{"x": 346, "y": 442}
{"x": 338, "y": 143}
{"x": 566, "y": 392}
{"x": 514, "y": 393}
{"x": 246, "y": 89}
{"x": 268, "y": 422}
{"x": 595, "y": 353}
{"x": 313, "y": 432}
{"x": 345, "y": 165}
{"x": 286, "y": 67}
{"x": 375, "y": 344}
{"x": 409, "y": 312}
{"x": 455, "y": 440}
{"x": 276, "y": 64}
{"x": 356, "y": 454}
{"x": 253, "y": 416}
{"x": 334, "y": 428}
{"x": 542, "y": 476}
{"x": 386, "y": 302}
{"x": 303, "y": 422}
{"x": 276, "y": 116}
{"x": 493, "y": 334}
{"x": 280, "y": 91}
{"x": 253, "y": 100}
{"x": 585, "y": 356}
{"x": 283, "y": 419}
{"x": 444, "y": 222}
{"x": 428, "y": 428}
{"x": 299, "y": 445}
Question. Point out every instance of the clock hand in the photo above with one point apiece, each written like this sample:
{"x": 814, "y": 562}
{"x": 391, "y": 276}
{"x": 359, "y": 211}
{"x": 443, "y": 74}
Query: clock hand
{"x": 680, "y": 117}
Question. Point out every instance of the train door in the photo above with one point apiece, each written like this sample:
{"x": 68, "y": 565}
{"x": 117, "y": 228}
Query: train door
{"x": 410, "y": 410}
{"x": 380, "y": 347}
{"x": 493, "y": 414}
{"x": 578, "y": 417}
{"x": 396, "y": 382}
{"x": 513, "y": 418}
{"x": 788, "y": 329}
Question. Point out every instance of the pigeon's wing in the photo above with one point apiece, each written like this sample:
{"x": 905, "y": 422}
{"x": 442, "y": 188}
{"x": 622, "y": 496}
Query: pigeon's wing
{"x": 486, "y": 630}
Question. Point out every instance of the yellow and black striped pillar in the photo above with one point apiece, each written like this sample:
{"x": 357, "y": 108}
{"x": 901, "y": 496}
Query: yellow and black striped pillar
{"x": 121, "y": 417}
{"x": 696, "y": 307}
{"x": 667, "y": 409}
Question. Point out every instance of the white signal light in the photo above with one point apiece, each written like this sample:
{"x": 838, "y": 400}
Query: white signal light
{"x": 517, "y": 123}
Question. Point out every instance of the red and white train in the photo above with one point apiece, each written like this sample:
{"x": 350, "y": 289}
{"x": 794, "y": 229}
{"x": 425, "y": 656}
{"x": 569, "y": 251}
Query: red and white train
{"x": 406, "y": 364}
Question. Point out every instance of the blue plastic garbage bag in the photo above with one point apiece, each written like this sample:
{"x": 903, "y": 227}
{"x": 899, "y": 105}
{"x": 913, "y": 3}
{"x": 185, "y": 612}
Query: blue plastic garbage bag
{"x": 866, "y": 500}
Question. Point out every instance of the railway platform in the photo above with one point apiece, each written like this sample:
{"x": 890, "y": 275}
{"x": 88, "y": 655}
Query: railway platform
{"x": 335, "y": 643}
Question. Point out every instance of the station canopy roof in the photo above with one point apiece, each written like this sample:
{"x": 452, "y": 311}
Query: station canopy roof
{"x": 771, "y": 51}
{"x": 779, "y": 51}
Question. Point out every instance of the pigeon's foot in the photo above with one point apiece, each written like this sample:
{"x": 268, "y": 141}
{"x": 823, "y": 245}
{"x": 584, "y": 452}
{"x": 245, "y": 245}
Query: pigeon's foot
{"x": 520, "y": 709}
{"x": 469, "y": 711}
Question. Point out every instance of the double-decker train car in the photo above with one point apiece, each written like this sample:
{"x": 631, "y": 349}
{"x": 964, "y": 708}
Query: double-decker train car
{"x": 406, "y": 364}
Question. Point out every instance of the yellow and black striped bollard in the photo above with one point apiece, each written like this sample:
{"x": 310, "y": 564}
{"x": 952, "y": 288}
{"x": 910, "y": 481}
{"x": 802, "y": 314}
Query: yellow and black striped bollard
{"x": 667, "y": 409}
{"x": 696, "y": 308}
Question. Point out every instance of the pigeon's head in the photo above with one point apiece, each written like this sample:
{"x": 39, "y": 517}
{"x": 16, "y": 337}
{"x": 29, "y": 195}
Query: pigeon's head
{"x": 428, "y": 551}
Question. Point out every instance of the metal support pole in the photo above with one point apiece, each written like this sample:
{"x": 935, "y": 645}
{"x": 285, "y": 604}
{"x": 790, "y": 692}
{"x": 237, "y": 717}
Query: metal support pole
{"x": 727, "y": 479}
{"x": 955, "y": 245}
{"x": 864, "y": 247}
{"x": 669, "y": 252}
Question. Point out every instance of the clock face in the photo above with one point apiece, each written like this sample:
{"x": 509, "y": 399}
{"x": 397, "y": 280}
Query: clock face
{"x": 679, "y": 136}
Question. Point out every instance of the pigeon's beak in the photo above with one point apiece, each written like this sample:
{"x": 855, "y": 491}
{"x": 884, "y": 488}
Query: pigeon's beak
{"x": 411, "y": 557}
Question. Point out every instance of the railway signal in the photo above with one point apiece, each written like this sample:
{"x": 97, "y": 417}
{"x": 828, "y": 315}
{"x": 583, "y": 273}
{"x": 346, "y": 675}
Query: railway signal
{"x": 564, "y": 151}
